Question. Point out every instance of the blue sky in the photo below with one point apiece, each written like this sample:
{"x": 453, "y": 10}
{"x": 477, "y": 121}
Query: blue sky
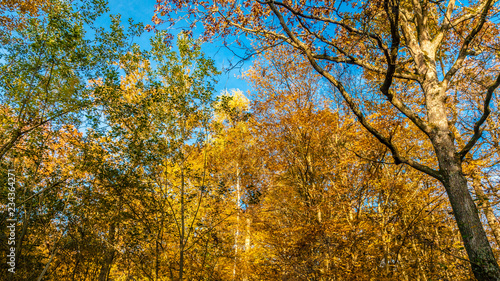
{"x": 142, "y": 11}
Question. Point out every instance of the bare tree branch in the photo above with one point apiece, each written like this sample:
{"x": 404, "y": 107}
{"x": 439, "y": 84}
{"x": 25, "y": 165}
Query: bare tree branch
{"x": 347, "y": 97}
{"x": 477, "y": 126}
{"x": 462, "y": 54}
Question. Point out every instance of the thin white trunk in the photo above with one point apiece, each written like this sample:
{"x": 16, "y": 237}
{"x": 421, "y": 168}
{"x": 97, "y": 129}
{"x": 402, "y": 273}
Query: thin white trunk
{"x": 247, "y": 248}
{"x": 238, "y": 211}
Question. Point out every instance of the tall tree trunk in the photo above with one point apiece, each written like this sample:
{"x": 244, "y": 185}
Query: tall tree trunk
{"x": 238, "y": 211}
{"x": 483, "y": 262}
{"x": 247, "y": 248}
{"x": 109, "y": 256}
{"x": 182, "y": 234}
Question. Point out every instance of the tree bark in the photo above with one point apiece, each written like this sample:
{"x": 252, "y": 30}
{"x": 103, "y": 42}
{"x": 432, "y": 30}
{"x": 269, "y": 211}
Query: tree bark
{"x": 482, "y": 260}
{"x": 110, "y": 255}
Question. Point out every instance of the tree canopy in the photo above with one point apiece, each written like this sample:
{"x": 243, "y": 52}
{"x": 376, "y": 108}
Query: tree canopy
{"x": 366, "y": 148}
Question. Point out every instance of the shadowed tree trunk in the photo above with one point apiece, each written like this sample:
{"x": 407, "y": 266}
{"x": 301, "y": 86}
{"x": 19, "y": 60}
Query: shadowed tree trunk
{"x": 109, "y": 256}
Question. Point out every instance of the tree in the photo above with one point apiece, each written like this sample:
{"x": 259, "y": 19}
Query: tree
{"x": 443, "y": 53}
{"x": 158, "y": 131}
{"x": 46, "y": 67}
{"x": 231, "y": 143}
{"x": 331, "y": 207}
{"x": 14, "y": 14}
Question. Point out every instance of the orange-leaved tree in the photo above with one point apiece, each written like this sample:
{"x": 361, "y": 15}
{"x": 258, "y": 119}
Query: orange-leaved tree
{"x": 445, "y": 50}
{"x": 331, "y": 206}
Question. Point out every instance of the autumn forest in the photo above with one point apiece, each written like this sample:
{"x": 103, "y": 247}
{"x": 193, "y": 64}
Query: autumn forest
{"x": 363, "y": 146}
